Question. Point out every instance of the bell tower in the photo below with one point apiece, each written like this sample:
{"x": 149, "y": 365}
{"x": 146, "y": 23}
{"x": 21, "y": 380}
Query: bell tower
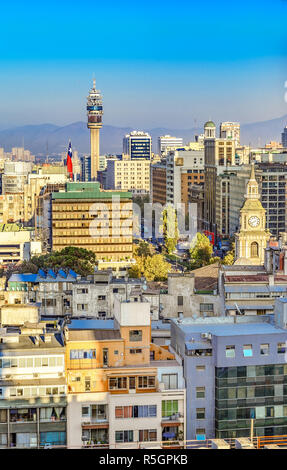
{"x": 251, "y": 240}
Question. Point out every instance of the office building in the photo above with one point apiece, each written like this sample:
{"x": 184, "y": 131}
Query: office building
{"x": 167, "y": 142}
{"x": 85, "y": 216}
{"x": 219, "y": 154}
{"x": 273, "y": 195}
{"x": 183, "y": 169}
{"x": 86, "y": 168}
{"x": 95, "y": 114}
{"x": 129, "y": 175}
{"x": 158, "y": 182}
{"x": 230, "y": 131}
{"x": 234, "y": 370}
{"x": 137, "y": 144}
{"x": 284, "y": 137}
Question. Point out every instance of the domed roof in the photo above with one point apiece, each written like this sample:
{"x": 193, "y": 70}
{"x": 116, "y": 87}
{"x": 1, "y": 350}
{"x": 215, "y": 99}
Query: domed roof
{"x": 209, "y": 124}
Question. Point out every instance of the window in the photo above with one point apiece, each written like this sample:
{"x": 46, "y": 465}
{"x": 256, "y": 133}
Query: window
{"x": 124, "y": 436}
{"x": 146, "y": 382}
{"x": 200, "y": 368}
{"x": 170, "y": 381}
{"x": 230, "y": 351}
{"x": 206, "y": 307}
{"x": 135, "y": 335}
{"x": 200, "y": 392}
{"x": 81, "y": 307}
{"x": 147, "y": 435}
{"x": 200, "y": 413}
{"x": 247, "y": 350}
{"x": 179, "y": 300}
{"x": 132, "y": 383}
{"x": 200, "y": 434}
{"x": 137, "y": 411}
{"x": 264, "y": 349}
{"x": 87, "y": 384}
{"x": 135, "y": 351}
{"x": 116, "y": 383}
{"x": 82, "y": 354}
{"x": 85, "y": 411}
{"x": 254, "y": 249}
{"x": 169, "y": 408}
{"x": 281, "y": 348}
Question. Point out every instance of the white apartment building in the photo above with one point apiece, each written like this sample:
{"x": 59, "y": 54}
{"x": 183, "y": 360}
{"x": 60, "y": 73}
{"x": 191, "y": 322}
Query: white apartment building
{"x": 167, "y": 142}
{"x": 129, "y": 175}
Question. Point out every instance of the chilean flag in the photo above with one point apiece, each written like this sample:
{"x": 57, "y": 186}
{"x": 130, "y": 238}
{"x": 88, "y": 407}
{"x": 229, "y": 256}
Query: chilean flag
{"x": 69, "y": 161}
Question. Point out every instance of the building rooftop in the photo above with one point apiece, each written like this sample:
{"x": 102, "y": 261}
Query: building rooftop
{"x": 91, "y": 324}
{"x": 94, "y": 335}
{"x": 88, "y": 190}
{"x": 255, "y": 278}
{"x": 206, "y": 278}
{"x": 227, "y": 327}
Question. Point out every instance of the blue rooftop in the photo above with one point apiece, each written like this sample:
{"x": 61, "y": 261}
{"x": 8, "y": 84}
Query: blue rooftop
{"x": 23, "y": 277}
{"x": 231, "y": 329}
{"x": 87, "y": 324}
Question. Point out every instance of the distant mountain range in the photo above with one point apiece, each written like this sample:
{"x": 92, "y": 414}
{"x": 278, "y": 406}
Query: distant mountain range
{"x": 52, "y": 139}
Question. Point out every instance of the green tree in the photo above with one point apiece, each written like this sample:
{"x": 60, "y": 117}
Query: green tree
{"x": 170, "y": 229}
{"x": 144, "y": 249}
{"x": 229, "y": 257}
{"x": 156, "y": 268}
{"x": 82, "y": 261}
{"x": 200, "y": 250}
{"x": 153, "y": 268}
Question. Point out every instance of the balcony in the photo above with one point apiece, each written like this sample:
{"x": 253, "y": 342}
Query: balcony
{"x": 175, "y": 419}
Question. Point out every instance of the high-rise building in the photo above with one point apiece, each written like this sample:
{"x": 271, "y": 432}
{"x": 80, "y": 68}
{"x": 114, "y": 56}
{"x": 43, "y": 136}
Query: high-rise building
{"x": 219, "y": 154}
{"x": 86, "y": 168}
{"x": 158, "y": 182}
{"x": 230, "y": 130}
{"x": 137, "y": 144}
{"x": 183, "y": 169}
{"x": 95, "y": 113}
{"x": 234, "y": 371}
{"x": 128, "y": 175}
{"x": 85, "y": 216}
{"x": 273, "y": 196}
{"x": 168, "y": 142}
{"x": 284, "y": 137}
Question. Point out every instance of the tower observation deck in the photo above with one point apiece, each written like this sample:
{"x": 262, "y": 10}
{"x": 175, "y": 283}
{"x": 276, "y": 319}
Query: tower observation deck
{"x": 95, "y": 113}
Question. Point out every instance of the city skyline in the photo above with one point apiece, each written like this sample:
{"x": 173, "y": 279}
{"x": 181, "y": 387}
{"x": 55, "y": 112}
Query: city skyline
{"x": 156, "y": 66}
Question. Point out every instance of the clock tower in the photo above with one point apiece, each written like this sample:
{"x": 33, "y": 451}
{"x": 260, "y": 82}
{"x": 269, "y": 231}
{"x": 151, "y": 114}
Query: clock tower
{"x": 252, "y": 238}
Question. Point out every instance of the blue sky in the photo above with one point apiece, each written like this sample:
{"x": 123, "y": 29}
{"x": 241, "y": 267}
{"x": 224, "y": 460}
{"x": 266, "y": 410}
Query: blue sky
{"x": 157, "y": 63}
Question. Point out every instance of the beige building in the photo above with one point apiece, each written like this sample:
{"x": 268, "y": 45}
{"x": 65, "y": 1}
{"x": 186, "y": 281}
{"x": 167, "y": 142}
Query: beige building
{"x": 219, "y": 154}
{"x": 101, "y": 221}
{"x": 124, "y": 392}
{"x": 21, "y": 188}
{"x": 16, "y": 244}
{"x": 128, "y": 175}
{"x": 251, "y": 240}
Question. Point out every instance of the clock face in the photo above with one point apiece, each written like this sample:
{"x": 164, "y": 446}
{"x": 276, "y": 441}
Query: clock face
{"x": 254, "y": 221}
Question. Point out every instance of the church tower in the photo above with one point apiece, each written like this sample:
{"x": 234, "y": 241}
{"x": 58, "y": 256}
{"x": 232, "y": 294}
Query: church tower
{"x": 251, "y": 240}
